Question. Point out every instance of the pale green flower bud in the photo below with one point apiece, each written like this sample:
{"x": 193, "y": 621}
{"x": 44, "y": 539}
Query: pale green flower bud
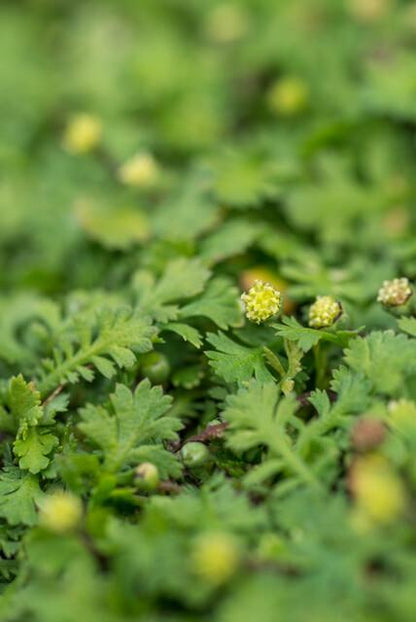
{"x": 395, "y": 293}
{"x": 324, "y": 312}
{"x": 147, "y": 476}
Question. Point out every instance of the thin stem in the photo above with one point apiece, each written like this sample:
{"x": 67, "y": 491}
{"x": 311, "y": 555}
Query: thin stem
{"x": 320, "y": 356}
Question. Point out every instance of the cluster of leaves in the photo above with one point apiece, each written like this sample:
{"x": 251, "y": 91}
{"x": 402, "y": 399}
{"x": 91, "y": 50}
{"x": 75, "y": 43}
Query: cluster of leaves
{"x": 283, "y": 133}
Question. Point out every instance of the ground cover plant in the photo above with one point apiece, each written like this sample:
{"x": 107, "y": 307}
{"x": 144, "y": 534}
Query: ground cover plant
{"x": 207, "y": 310}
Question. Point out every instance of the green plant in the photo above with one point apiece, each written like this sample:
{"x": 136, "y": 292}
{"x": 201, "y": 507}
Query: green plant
{"x": 207, "y": 315}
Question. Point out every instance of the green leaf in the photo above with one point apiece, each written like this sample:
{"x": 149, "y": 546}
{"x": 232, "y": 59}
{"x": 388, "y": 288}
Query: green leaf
{"x": 133, "y": 421}
{"x": 407, "y": 325}
{"x": 257, "y": 416}
{"x": 233, "y": 238}
{"x": 385, "y": 358}
{"x": 308, "y": 337}
{"x": 242, "y": 179}
{"x": 219, "y": 302}
{"x": 19, "y": 495}
{"x": 117, "y": 334}
{"x": 186, "y": 215}
{"x": 188, "y": 333}
{"x": 24, "y": 405}
{"x": 33, "y": 448}
{"x": 235, "y": 362}
{"x": 183, "y": 278}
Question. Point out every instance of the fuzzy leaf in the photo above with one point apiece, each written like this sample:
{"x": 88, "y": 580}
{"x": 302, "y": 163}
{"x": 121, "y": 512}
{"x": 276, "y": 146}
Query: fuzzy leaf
{"x": 219, "y": 303}
{"x": 234, "y": 362}
{"x": 132, "y": 421}
{"x": 18, "y": 495}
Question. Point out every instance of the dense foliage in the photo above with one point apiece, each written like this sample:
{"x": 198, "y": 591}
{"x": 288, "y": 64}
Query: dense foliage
{"x": 163, "y": 457}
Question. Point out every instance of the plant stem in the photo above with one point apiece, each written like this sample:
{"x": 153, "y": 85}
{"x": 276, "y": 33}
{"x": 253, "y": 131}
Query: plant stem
{"x": 274, "y": 361}
{"x": 320, "y": 365}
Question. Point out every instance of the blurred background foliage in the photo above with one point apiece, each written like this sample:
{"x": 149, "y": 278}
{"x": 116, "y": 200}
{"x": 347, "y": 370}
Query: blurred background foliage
{"x": 263, "y": 117}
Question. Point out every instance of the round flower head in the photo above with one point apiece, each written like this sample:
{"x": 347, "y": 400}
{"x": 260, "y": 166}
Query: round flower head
{"x": 147, "y": 476}
{"x": 324, "y": 312}
{"x": 377, "y": 489}
{"x": 141, "y": 171}
{"x": 226, "y": 23}
{"x": 215, "y": 557}
{"x": 61, "y": 512}
{"x": 395, "y": 293}
{"x": 261, "y": 302}
{"x": 289, "y": 96}
{"x": 82, "y": 134}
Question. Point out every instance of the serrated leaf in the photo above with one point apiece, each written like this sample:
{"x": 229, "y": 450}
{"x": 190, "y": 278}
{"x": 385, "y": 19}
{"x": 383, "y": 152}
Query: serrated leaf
{"x": 19, "y": 494}
{"x": 133, "y": 421}
{"x": 235, "y": 362}
{"x": 120, "y": 333}
{"x": 385, "y": 358}
{"x": 219, "y": 302}
{"x": 33, "y": 449}
{"x": 182, "y": 279}
{"x": 188, "y": 333}
{"x": 307, "y": 338}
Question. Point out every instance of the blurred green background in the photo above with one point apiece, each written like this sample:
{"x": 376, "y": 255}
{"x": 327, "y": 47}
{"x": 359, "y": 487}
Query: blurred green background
{"x": 297, "y": 114}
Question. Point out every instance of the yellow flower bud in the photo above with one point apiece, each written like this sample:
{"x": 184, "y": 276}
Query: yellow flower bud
{"x": 261, "y": 302}
{"x": 226, "y": 23}
{"x": 395, "y": 293}
{"x": 61, "y": 512}
{"x": 288, "y": 97}
{"x": 82, "y": 134}
{"x": 141, "y": 171}
{"x": 324, "y": 312}
{"x": 378, "y": 491}
{"x": 215, "y": 557}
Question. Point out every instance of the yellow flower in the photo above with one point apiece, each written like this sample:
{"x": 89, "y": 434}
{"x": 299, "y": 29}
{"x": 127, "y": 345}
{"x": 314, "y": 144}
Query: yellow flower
{"x": 289, "y": 96}
{"x": 61, "y": 512}
{"x": 215, "y": 557}
{"x": 261, "y": 302}
{"x": 141, "y": 171}
{"x": 82, "y": 134}
{"x": 378, "y": 491}
{"x": 395, "y": 293}
{"x": 261, "y": 273}
{"x": 324, "y": 312}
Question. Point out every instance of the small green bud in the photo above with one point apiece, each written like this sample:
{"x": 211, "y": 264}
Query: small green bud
{"x": 324, "y": 312}
{"x": 194, "y": 454}
{"x": 395, "y": 293}
{"x": 261, "y": 302}
{"x": 147, "y": 477}
{"x": 156, "y": 367}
